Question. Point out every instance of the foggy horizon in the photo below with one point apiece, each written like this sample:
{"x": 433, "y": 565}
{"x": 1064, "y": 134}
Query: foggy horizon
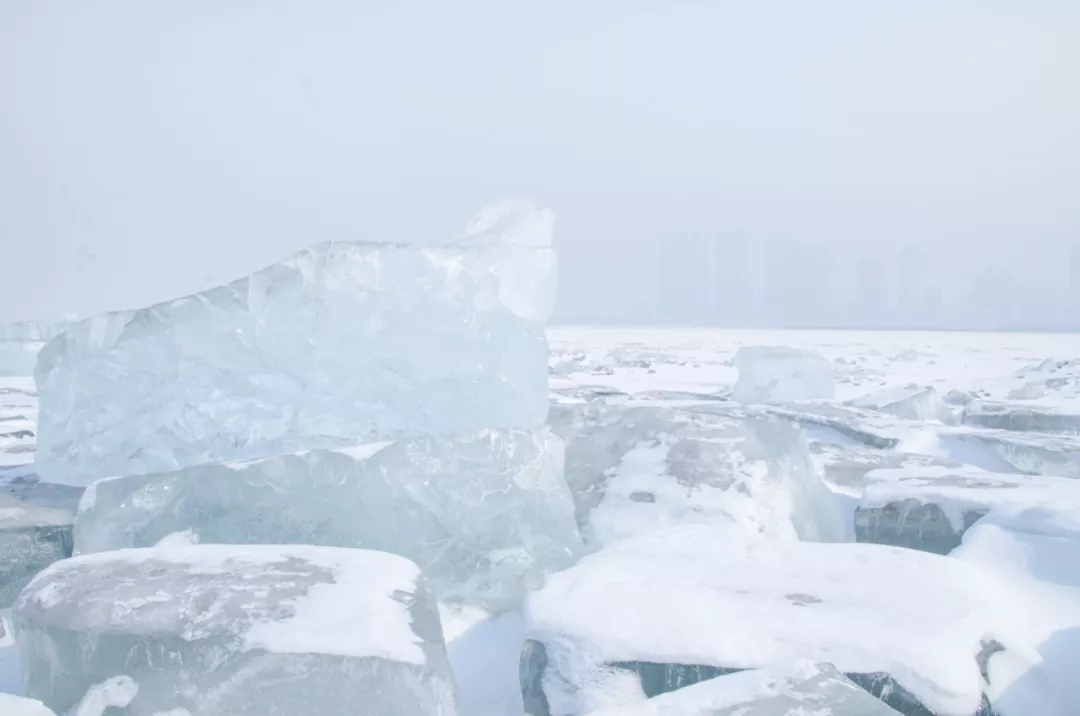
{"x": 149, "y": 152}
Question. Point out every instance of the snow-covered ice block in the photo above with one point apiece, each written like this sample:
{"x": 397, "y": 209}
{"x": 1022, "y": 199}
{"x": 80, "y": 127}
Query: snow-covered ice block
{"x": 913, "y": 402}
{"x": 17, "y": 706}
{"x": 344, "y": 342}
{"x": 31, "y": 538}
{"x": 1033, "y": 555}
{"x": 1011, "y": 416}
{"x": 636, "y": 468}
{"x": 779, "y": 374}
{"x": 802, "y": 688}
{"x": 485, "y": 514}
{"x": 222, "y": 630}
{"x": 679, "y": 605}
{"x": 931, "y": 508}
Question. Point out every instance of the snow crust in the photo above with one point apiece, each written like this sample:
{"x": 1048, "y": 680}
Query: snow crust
{"x": 17, "y": 706}
{"x": 705, "y": 596}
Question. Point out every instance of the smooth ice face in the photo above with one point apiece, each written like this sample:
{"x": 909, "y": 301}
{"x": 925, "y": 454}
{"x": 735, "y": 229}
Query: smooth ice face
{"x": 634, "y": 469}
{"x": 915, "y": 627}
{"x": 18, "y": 706}
{"x": 1029, "y": 453}
{"x": 238, "y": 631}
{"x": 914, "y": 402}
{"x": 339, "y": 344}
{"x": 31, "y": 538}
{"x": 779, "y": 374}
{"x": 486, "y": 514}
{"x": 804, "y": 688}
{"x": 1017, "y": 416}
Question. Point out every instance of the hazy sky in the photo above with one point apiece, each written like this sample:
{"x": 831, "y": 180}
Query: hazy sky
{"x": 150, "y": 148}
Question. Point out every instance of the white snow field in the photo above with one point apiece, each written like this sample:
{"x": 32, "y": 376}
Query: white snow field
{"x": 370, "y": 481}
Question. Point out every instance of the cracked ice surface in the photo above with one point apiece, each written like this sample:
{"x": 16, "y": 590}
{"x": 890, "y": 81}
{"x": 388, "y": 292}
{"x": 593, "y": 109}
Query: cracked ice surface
{"x": 237, "y": 631}
{"x": 485, "y": 514}
{"x": 341, "y": 343}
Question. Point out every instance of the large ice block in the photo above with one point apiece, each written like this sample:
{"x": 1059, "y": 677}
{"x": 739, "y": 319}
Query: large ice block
{"x": 802, "y": 688}
{"x": 31, "y": 538}
{"x": 221, "y": 630}
{"x": 654, "y": 613}
{"x": 637, "y": 468}
{"x": 780, "y": 374}
{"x": 17, "y": 706}
{"x": 343, "y": 342}
{"x": 485, "y": 514}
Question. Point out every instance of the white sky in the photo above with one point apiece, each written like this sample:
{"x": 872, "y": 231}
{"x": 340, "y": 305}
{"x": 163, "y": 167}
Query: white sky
{"x": 152, "y": 148}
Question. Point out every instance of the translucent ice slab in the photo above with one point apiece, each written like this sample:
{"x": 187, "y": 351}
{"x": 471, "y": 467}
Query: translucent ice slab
{"x": 344, "y": 342}
{"x": 485, "y": 514}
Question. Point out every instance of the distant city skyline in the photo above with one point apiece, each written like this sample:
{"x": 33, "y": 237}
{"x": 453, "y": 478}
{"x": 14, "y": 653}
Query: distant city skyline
{"x": 734, "y": 279}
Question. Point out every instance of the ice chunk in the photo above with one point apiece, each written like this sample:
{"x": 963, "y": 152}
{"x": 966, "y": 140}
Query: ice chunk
{"x": 343, "y": 342}
{"x": 18, "y": 706}
{"x": 116, "y": 692}
{"x": 502, "y": 231}
{"x": 1027, "y": 453}
{"x": 679, "y": 605}
{"x": 801, "y": 688}
{"x": 31, "y": 538}
{"x": 223, "y": 630}
{"x": 485, "y": 514}
{"x": 931, "y": 508}
{"x": 779, "y": 374}
{"x": 913, "y": 402}
{"x": 1009, "y": 416}
{"x": 636, "y": 468}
